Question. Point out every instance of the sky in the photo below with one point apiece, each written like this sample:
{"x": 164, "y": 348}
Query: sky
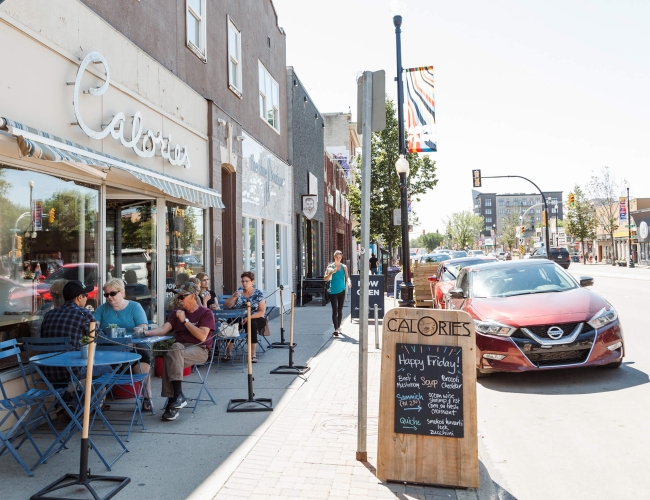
{"x": 551, "y": 90}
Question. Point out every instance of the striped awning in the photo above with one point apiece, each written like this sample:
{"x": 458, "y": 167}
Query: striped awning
{"x": 43, "y": 146}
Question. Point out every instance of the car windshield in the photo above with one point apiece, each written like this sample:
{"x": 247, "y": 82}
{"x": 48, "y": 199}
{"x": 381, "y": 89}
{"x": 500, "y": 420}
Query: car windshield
{"x": 520, "y": 280}
{"x": 457, "y": 255}
{"x": 439, "y": 257}
{"x": 451, "y": 270}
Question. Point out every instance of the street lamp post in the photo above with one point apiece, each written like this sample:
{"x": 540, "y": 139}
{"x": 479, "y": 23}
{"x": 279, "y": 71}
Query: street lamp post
{"x": 629, "y": 231}
{"x": 402, "y": 164}
{"x": 494, "y": 230}
{"x": 557, "y": 234}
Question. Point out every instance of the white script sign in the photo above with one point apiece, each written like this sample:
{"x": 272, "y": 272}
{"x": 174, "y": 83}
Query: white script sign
{"x": 146, "y": 144}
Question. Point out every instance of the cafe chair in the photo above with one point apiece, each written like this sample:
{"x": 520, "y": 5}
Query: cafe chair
{"x": 261, "y": 339}
{"x": 27, "y": 408}
{"x": 38, "y": 345}
{"x": 203, "y": 371}
{"x": 133, "y": 384}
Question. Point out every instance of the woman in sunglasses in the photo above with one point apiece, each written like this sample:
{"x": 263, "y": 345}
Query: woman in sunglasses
{"x": 125, "y": 314}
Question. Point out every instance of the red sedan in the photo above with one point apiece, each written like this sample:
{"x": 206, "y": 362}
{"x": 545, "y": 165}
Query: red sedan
{"x": 445, "y": 278}
{"x": 531, "y": 315}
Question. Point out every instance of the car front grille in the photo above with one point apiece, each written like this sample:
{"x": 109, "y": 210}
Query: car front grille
{"x": 544, "y": 359}
{"x": 541, "y": 330}
{"x": 574, "y": 353}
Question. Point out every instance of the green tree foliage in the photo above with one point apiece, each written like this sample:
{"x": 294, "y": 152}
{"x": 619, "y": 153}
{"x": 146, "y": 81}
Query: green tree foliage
{"x": 138, "y": 230}
{"x": 604, "y": 189}
{"x": 384, "y": 192}
{"x": 581, "y": 221}
{"x": 464, "y": 227}
{"x": 508, "y": 236}
{"x": 430, "y": 241}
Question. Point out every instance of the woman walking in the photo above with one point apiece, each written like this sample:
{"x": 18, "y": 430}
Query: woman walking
{"x": 337, "y": 275}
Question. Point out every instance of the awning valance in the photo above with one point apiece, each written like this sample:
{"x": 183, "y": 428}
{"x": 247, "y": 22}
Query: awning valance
{"x": 41, "y": 145}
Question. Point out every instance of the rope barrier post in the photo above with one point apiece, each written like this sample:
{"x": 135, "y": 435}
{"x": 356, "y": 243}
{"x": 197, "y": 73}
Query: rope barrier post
{"x": 376, "y": 326}
{"x": 290, "y": 369}
{"x": 250, "y": 404}
{"x": 282, "y": 342}
{"x": 84, "y": 478}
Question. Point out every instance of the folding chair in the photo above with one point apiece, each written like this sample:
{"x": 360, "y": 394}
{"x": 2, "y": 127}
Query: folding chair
{"x": 261, "y": 337}
{"x": 34, "y": 346}
{"x": 132, "y": 383}
{"x": 203, "y": 378}
{"x": 31, "y": 399}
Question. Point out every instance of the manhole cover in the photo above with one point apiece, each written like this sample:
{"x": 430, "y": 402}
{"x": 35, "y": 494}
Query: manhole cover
{"x": 347, "y": 426}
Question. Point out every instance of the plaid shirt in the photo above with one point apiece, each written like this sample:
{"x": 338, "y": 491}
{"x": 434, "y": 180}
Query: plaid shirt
{"x": 67, "y": 320}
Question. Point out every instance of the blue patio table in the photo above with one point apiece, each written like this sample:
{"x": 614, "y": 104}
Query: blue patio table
{"x": 73, "y": 359}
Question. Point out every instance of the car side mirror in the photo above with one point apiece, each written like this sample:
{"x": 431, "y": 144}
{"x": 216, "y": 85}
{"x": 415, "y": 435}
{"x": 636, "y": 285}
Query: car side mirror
{"x": 586, "y": 281}
{"x": 456, "y": 293}
{"x": 432, "y": 279}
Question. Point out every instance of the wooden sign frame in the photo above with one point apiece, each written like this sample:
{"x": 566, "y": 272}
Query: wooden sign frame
{"x": 435, "y": 460}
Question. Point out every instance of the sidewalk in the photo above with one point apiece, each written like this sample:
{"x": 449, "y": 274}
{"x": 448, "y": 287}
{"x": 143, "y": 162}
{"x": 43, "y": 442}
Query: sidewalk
{"x": 308, "y": 451}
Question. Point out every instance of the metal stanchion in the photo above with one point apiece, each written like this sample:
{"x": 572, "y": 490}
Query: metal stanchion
{"x": 282, "y": 343}
{"x": 84, "y": 478}
{"x": 250, "y": 404}
{"x": 376, "y": 326}
{"x": 290, "y": 369}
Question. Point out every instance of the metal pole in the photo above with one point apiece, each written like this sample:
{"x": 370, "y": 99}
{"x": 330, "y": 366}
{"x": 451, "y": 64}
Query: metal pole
{"x": 406, "y": 295}
{"x": 376, "y": 326}
{"x": 362, "y": 454}
{"x": 629, "y": 230}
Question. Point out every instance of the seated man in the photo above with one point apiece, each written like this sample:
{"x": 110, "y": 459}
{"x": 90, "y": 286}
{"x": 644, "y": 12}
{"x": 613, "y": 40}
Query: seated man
{"x": 71, "y": 319}
{"x": 193, "y": 326}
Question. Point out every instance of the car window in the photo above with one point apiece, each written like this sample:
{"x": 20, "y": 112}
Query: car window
{"x": 448, "y": 274}
{"x": 463, "y": 282}
{"x": 510, "y": 281}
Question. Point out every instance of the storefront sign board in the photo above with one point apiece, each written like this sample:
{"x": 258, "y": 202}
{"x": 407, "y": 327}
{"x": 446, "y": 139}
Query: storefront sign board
{"x": 427, "y": 401}
{"x": 375, "y": 295}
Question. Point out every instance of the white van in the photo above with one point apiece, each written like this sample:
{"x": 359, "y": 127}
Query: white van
{"x": 133, "y": 259}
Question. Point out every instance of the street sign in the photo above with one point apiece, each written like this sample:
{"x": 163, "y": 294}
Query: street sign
{"x": 521, "y": 249}
{"x": 378, "y": 115}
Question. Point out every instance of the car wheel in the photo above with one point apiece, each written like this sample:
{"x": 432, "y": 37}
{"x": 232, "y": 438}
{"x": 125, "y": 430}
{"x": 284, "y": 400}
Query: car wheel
{"x": 615, "y": 364}
{"x": 480, "y": 374}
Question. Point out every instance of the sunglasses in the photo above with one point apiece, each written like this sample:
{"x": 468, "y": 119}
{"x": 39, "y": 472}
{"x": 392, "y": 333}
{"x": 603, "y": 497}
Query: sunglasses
{"x": 182, "y": 297}
{"x": 110, "y": 294}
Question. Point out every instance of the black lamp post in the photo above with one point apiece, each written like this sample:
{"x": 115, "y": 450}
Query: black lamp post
{"x": 629, "y": 231}
{"x": 402, "y": 164}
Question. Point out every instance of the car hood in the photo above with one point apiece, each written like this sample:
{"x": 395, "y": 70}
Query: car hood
{"x": 575, "y": 305}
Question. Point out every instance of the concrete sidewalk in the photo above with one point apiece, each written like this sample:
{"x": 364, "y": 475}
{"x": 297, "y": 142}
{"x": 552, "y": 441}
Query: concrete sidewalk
{"x": 308, "y": 451}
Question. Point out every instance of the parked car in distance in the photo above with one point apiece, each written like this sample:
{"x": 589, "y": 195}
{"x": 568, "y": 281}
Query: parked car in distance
{"x": 17, "y": 299}
{"x": 72, "y": 272}
{"x": 445, "y": 278}
{"x": 457, "y": 254}
{"x": 434, "y": 257}
{"x": 532, "y": 315}
{"x": 474, "y": 253}
{"x": 558, "y": 254}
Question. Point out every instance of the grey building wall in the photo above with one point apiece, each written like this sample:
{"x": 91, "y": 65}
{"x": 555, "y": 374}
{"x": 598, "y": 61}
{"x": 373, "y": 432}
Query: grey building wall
{"x": 483, "y": 203}
{"x": 306, "y": 155}
{"x": 336, "y": 129}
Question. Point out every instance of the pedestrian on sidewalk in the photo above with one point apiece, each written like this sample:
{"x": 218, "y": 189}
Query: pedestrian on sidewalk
{"x": 373, "y": 264}
{"x": 337, "y": 275}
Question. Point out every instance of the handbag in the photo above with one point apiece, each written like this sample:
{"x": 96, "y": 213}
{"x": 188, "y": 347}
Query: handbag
{"x": 267, "y": 330}
{"x": 230, "y": 331}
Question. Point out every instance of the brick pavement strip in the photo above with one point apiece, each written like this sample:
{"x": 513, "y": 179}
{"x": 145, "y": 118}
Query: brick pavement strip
{"x": 308, "y": 451}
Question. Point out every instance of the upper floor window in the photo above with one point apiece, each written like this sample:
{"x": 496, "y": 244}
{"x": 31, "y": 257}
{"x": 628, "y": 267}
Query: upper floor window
{"x": 234, "y": 58}
{"x": 488, "y": 219}
{"x": 488, "y": 202}
{"x": 488, "y": 211}
{"x": 507, "y": 203}
{"x": 195, "y": 14}
{"x": 269, "y": 99}
{"x": 500, "y": 203}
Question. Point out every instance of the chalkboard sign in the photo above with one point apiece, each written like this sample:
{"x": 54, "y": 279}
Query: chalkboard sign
{"x": 375, "y": 295}
{"x": 429, "y": 390}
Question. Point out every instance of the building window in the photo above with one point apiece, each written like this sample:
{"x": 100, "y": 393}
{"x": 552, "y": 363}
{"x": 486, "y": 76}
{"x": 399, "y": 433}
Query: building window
{"x": 488, "y": 211}
{"x": 502, "y": 211}
{"x": 538, "y": 218}
{"x": 538, "y": 210}
{"x": 500, "y": 203}
{"x": 195, "y": 14}
{"x": 507, "y": 211}
{"x": 507, "y": 203}
{"x": 488, "y": 202}
{"x": 269, "y": 99}
{"x": 234, "y": 58}
{"x": 488, "y": 219}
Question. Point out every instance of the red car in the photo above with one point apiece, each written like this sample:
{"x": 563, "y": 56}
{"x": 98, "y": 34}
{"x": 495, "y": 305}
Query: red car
{"x": 531, "y": 315}
{"x": 72, "y": 272}
{"x": 445, "y": 278}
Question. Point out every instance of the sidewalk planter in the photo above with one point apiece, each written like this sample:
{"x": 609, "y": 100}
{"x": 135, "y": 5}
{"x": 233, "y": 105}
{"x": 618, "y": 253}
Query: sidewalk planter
{"x": 125, "y": 391}
{"x": 160, "y": 366}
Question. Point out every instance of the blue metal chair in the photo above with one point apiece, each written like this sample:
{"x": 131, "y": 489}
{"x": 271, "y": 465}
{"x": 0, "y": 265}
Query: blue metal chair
{"x": 37, "y": 345}
{"x": 26, "y": 408}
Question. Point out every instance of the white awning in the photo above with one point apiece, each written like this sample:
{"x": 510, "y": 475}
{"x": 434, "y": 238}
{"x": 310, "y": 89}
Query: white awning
{"x": 43, "y": 146}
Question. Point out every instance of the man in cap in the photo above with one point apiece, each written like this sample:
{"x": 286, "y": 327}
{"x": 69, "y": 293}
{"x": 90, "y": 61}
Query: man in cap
{"x": 193, "y": 326}
{"x": 71, "y": 319}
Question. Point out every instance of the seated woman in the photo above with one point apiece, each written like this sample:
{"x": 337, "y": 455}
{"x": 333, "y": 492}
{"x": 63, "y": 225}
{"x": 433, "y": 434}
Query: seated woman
{"x": 208, "y": 297}
{"x": 247, "y": 293}
{"x": 125, "y": 314}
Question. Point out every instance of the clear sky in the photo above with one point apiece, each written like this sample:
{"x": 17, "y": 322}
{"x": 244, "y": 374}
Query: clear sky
{"x": 549, "y": 90}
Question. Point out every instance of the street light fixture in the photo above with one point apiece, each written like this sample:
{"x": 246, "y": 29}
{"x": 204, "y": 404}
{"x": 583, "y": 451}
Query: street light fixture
{"x": 397, "y": 8}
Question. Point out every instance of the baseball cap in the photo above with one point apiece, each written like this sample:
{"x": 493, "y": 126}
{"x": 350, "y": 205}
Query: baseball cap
{"x": 188, "y": 288}
{"x": 75, "y": 288}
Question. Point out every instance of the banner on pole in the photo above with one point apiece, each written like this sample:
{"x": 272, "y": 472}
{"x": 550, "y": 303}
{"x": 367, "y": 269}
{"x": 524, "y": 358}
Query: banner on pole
{"x": 622, "y": 210}
{"x": 421, "y": 110}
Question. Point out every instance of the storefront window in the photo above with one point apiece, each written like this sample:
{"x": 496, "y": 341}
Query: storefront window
{"x": 57, "y": 238}
{"x": 184, "y": 253}
{"x": 131, "y": 250}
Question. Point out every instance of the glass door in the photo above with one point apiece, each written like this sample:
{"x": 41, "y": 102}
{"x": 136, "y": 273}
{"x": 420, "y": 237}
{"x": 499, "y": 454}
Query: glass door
{"x": 131, "y": 250}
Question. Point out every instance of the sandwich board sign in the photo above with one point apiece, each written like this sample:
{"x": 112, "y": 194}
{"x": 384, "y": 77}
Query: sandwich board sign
{"x": 427, "y": 401}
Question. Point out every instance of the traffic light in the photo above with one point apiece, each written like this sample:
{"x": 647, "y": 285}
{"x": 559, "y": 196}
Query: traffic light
{"x": 523, "y": 231}
{"x": 52, "y": 215}
{"x": 572, "y": 200}
{"x": 476, "y": 175}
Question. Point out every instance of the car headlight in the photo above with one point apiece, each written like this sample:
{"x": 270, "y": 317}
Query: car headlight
{"x": 490, "y": 327}
{"x": 603, "y": 317}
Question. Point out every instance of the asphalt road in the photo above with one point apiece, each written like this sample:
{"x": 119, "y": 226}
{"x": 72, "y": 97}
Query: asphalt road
{"x": 581, "y": 433}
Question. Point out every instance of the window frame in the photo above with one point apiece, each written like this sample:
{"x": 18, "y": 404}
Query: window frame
{"x": 263, "y": 71}
{"x": 200, "y": 52}
{"x": 238, "y": 90}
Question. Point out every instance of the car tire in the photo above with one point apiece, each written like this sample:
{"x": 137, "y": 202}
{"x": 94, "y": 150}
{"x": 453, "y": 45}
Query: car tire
{"x": 480, "y": 374}
{"x": 615, "y": 364}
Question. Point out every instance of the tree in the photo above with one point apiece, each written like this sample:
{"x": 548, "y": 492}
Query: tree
{"x": 581, "y": 220}
{"x": 463, "y": 227}
{"x": 508, "y": 234}
{"x": 384, "y": 185}
{"x": 432, "y": 240}
{"x": 604, "y": 189}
